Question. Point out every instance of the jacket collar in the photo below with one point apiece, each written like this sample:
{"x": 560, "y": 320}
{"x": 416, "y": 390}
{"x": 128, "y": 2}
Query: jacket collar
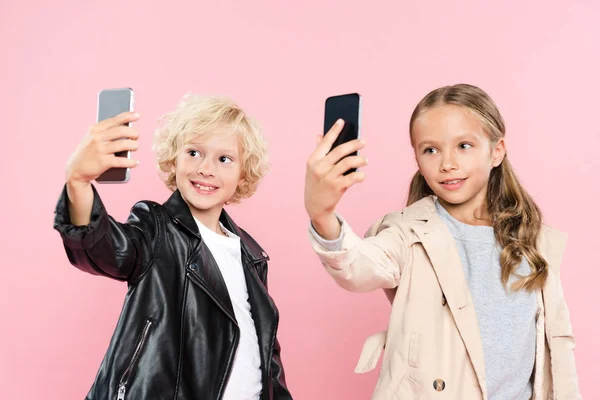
{"x": 422, "y": 210}
{"x": 179, "y": 210}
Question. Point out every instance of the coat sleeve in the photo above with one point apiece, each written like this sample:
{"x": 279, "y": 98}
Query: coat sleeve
{"x": 559, "y": 332}
{"x": 106, "y": 247}
{"x": 564, "y": 371}
{"x": 362, "y": 265}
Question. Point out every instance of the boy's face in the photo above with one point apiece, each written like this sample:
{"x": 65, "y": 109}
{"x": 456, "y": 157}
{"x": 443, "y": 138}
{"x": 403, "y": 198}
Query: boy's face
{"x": 208, "y": 172}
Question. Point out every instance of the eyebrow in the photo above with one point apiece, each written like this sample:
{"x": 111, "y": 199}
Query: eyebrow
{"x": 227, "y": 151}
{"x": 461, "y": 138}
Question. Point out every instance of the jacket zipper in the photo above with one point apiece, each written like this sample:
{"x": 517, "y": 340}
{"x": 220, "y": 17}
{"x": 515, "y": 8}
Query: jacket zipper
{"x": 124, "y": 381}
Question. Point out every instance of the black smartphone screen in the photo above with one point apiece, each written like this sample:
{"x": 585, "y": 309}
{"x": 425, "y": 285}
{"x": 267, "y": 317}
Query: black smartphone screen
{"x": 346, "y": 107}
{"x": 111, "y": 103}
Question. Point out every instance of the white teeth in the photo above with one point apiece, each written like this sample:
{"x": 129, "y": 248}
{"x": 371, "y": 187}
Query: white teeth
{"x": 453, "y": 182}
{"x": 207, "y": 188}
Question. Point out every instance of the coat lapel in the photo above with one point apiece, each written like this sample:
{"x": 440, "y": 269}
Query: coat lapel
{"x": 441, "y": 250}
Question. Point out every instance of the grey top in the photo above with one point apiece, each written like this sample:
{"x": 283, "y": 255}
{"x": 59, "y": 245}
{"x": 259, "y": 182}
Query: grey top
{"x": 507, "y": 320}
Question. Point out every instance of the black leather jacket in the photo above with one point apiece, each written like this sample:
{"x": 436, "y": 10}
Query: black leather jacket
{"x": 177, "y": 335}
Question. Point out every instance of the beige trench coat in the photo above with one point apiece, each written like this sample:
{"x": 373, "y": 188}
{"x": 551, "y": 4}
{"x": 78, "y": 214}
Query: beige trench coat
{"x": 432, "y": 345}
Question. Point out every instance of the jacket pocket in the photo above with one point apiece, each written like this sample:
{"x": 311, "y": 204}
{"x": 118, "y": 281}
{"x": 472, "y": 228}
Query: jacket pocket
{"x": 135, "y": 358}
{"x": 407, "y": 389}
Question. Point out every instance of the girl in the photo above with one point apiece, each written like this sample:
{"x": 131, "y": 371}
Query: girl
{"x": 473, "y": 275}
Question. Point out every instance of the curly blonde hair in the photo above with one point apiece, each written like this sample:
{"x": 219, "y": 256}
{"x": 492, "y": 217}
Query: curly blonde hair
{"x": 197, "y": 116}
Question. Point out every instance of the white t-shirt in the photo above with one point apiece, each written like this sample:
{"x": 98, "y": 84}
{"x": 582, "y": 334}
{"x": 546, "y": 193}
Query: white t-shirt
{"x": 245, "y": 379}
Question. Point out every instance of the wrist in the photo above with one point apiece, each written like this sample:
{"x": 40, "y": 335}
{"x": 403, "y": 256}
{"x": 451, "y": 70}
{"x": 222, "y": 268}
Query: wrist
{"x": 327, "y": 226}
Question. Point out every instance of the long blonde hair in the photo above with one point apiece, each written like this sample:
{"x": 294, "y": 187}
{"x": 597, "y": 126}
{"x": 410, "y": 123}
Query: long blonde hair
{"x": 516, "y": 218}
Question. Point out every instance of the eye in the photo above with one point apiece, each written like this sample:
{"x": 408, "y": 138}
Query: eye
{"x": 225, "y": 160}
{"x": 193, "y": 153}
{"x": 430, "y": 150}
{"x": 465, "y": 146}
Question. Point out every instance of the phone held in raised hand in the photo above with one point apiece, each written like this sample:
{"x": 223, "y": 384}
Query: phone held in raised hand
{"x": 112, "y": 102}
{"x": 348, "y": 108}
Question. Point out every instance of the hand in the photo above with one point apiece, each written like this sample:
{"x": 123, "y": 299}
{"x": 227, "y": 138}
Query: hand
{"x": 96, "y": 152}
{"x": 325, "y": 181}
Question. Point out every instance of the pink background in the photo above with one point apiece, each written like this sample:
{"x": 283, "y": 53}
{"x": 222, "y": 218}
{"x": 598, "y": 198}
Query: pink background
{"x": 538, "y": 60}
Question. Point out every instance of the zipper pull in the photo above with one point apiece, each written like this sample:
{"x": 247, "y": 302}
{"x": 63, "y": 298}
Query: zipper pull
{"x": 121, "y": 393}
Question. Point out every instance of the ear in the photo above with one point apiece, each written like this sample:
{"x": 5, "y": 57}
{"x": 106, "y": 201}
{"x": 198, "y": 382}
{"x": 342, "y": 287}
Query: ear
{"x": 498, "y": 153}
{"x": 173, "y": 166}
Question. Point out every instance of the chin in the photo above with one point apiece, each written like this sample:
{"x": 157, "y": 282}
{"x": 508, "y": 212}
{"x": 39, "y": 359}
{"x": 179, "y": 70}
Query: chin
{"x": 454, "y": 198}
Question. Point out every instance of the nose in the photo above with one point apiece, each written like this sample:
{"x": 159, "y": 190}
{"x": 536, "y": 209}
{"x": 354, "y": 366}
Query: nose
{"x": 448, "y": 163}
{"x": 205, "y": 167}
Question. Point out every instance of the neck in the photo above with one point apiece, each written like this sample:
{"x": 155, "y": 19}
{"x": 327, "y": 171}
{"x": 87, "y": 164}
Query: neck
{"x": 471, "y": 212}
{"x": 210, "y": 219}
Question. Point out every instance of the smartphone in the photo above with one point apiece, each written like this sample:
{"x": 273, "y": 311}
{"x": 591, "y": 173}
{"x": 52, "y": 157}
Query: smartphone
{"x": 348, "y": 108}
{"x": 112, "y": 102}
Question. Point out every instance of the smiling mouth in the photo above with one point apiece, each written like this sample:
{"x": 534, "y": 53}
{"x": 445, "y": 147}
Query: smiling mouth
{"x": 453, "y": 182}
{"x": 204, "y": 186}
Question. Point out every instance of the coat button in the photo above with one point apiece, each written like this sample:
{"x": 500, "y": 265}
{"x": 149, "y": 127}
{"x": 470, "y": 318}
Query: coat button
{"x": 194, "y": 266}
{"x": 444, "y": 301}
{"x": 439, "y": 385}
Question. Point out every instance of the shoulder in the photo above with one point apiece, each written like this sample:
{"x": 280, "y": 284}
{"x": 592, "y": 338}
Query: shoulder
{"x": 255, "y": 250}
{"x": 417, "y": 213}
{"x": 147, "y": 213}
{"x": 148, "y": 207}
{"x": 552, "y": 244}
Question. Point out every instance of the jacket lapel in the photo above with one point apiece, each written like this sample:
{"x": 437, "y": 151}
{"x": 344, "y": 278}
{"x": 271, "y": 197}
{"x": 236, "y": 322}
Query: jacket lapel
{"x": 202, "y": 267}
{"x": 441, "y": 250}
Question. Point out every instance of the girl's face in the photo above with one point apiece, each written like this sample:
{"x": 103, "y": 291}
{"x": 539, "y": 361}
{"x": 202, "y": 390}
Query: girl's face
{"x": 455, "y": 154}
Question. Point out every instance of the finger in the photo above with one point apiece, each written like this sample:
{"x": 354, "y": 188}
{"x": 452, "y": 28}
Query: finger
{"x": 120, "y": 132}
{"x": 327, "y": 141}
{"x": 121, "y": 119}
{"x": 347, "y": 164}
{"x": 121, "y": 145}
{"x": 344, "y": 150}
{"x": 123, "y": 162}
{"x": 351, "y": 179}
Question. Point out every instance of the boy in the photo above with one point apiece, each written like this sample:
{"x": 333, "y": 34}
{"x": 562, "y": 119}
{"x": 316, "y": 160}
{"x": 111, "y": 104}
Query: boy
{"x": 197, "y": 321}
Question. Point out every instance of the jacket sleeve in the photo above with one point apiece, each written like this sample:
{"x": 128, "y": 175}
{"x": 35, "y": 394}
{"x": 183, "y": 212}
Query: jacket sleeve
{"x": 104, "y": 246}
{"x": 366, "y": 264}
{"x": 280, "y": 390}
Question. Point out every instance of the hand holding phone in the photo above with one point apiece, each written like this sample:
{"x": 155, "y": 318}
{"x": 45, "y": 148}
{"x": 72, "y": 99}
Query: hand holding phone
{"x": 331, "y": 168}
{"x": 96, "y": 153}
